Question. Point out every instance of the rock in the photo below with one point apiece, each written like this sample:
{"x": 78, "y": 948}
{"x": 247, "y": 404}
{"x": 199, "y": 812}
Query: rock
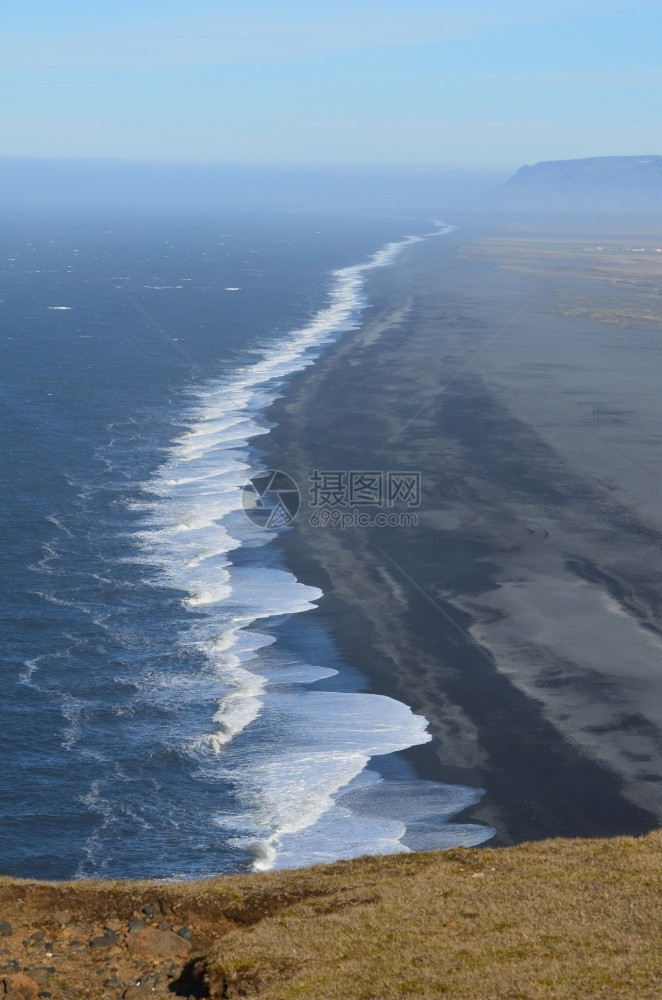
{"x": 170, "y": 969}
{"x": 105, "y": 941}
{"x": 113, "y": 982}
{"x": 114, "y": 925}
{"x": 185, "y": 932}
{"x": 21, "y": 987}
{"x": 136, "y": 925}
{"x": 152, "y": 910}
{"x": 149, "y": 984}
{"x": 154, "y": 943}
{"x": 163, "y": 925}
{"x": 6, "y": 929}
{"x": 101, "y": 942}
{"x": 61, "y": 918}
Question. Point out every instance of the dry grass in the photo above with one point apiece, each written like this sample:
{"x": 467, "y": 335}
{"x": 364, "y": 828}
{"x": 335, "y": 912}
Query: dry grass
{"x": 559, "y": 919}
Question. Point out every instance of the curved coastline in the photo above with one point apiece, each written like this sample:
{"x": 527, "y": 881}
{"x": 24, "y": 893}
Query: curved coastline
{"x": 196, "y": 535}
{"x": 403, "y": 602}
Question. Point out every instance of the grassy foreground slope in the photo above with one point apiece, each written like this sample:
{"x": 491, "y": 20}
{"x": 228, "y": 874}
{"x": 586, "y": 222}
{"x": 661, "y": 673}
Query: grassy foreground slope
{"x": 554, "y": 919}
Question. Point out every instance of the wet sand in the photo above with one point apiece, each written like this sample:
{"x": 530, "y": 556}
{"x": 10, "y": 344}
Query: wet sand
{"x": 523, "y": 615}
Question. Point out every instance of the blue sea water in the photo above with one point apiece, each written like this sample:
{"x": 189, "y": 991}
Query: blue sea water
{"x": 160, "y": 716}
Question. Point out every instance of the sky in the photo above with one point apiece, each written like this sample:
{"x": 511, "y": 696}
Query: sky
{"x": 369, "y": 82}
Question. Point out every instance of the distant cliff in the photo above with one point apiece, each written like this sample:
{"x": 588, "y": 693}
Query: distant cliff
{"x": 600, "y": 182}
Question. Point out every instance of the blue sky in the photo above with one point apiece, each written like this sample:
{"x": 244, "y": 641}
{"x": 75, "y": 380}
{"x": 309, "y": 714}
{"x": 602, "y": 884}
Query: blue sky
{"x": 477, "y": 84}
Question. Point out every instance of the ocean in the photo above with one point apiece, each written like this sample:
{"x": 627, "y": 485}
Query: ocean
{"x": 173, "y": 706}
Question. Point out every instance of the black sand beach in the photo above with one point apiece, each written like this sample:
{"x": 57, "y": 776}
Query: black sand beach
{"x": 523, "y": 614}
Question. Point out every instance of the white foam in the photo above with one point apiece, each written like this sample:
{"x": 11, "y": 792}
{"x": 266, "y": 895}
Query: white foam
{"x": 73, "y": 710}
{"x": 240, "y": 706}
{"x": 58, "y": 524}
{"x": 31, "y": 667}
{"x": 44, "y": 564}
{"x": 331, "y": 738}
{"x": 193, "y": 522}
{"x": 296, "y": 811}
{"x": 196, "y": 520}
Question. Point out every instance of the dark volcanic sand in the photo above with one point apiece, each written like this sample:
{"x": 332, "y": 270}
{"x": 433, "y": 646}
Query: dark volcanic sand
{"x": 523, "y": 615}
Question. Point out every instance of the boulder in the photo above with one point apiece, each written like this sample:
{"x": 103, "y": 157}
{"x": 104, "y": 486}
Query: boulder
{"x": 153, "y": 943}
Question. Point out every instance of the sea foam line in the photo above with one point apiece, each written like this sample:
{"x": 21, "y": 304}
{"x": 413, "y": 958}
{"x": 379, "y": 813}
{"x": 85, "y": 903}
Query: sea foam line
{"x": 195, "y": 520}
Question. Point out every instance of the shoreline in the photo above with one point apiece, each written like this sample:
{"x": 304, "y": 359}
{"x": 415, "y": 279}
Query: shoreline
{"x": 404, "y": 604}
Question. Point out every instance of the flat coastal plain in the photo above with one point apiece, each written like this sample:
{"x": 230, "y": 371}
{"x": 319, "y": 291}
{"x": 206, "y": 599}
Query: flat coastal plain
{"x": 517, "y": 368}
